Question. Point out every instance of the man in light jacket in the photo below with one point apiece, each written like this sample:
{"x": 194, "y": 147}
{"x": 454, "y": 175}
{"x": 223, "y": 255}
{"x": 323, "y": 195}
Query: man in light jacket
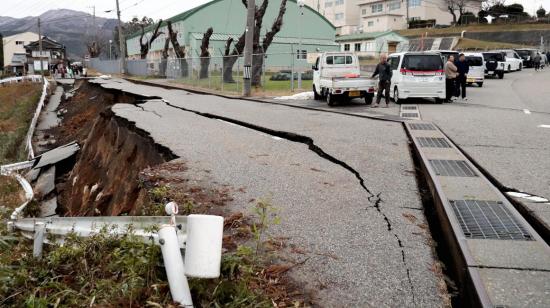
{"x": 450, "y": 77}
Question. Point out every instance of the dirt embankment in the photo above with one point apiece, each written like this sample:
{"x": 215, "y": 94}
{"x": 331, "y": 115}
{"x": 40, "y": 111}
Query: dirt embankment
{"x": 105, "y": 179}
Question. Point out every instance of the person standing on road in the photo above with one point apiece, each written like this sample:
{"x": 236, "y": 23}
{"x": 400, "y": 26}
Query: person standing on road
{"x": 450, "y": 76}
{"x": 463, "y": 68}
{"x": 537, "y": 60}
{"x": 384, "y": 72}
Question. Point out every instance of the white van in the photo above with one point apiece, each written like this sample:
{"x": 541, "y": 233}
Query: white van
{"x": 513, "y": 60}
{"x": 417, "y": 74}
{"x": 476, "y": 74}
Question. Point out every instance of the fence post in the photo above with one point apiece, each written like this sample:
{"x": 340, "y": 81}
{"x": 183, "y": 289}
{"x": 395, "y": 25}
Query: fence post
{"x": 39, "y": 230}
{"x": 238, "y": 72}
{"x": 173, "y": 263}
{"x": 292, "y": 68}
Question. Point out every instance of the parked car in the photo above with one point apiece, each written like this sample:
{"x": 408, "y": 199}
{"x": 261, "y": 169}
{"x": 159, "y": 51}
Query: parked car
{"x": 337, "y": 76}
{"x": 513, "y": 61}
{"x": 417, "y": 74}
{"x": 446, "y": 53}
{"x": 527, "y": 55}
{"x": 287, "y": 74}
{"x": 494, "y": 64}
{"x": 476, "y": 73}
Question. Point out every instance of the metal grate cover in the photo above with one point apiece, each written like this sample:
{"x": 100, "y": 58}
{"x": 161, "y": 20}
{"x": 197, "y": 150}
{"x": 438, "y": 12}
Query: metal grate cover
{"x": 409, "y": 115}
{"x": 429, "y": 142}
{"x": 408, "y": 107}
{"x": 488, "y": 220}
{"x": 421, "y": 126}
{"x": 452, "y": 168}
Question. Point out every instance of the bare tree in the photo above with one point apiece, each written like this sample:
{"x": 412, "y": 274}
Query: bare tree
{"x": 258, "y": 49}
{"x": 144, "y": 47}
{"x": 178, "y": 49}
{"x": 94, "y": 49}
{"x": 460, "y": 6}
{"x": 205, "y": 53}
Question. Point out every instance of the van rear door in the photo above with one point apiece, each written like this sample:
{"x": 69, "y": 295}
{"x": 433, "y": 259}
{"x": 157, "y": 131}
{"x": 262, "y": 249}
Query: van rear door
{"x": 476, "y": 68}
{"x": 422, "y": 67}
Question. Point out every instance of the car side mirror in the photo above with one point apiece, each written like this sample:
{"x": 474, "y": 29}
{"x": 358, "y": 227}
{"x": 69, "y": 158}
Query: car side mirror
{"x": 314, "y": 67}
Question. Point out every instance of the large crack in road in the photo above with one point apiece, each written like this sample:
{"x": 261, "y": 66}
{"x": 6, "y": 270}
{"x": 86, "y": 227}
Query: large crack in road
{"x": 374, "y": 199}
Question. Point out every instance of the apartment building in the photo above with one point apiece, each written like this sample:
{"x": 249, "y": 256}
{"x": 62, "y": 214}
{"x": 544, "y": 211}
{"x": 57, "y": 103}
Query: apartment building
{"x": 384, "y": 15}
{"x": 343, "y": 14}
{"x": 14, "y": 49}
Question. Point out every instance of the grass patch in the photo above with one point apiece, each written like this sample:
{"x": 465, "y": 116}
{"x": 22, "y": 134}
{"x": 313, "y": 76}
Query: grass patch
{"x": 16, "y": 111}
{"x": 473, "y": 28}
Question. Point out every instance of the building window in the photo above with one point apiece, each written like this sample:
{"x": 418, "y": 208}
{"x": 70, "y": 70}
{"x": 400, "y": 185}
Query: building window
{"x": 376, "y": 8}
{"x": 370, "y": 24}
{"x": 364, "y": 12}
{"x": 19, "y": 42}
{"x": 415, "y": 3}
{"x": 301, "y": 55}
{"x": 346, "y": 47}
{"x": 338, "y": 2}
{"x": 392, "y": 6}
{"x": 328, "y": 4}
{"x": 357, "y": 47}
{"x": 338, "y": 16}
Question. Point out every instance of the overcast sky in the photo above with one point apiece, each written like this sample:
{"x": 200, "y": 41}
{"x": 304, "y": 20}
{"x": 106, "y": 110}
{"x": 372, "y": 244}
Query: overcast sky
{"x": 152, "y": 8}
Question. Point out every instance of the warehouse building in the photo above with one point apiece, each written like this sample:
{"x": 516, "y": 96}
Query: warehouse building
{"x": 228, "y": 17}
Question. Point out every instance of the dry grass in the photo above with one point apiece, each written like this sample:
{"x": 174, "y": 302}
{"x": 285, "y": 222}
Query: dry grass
{"x": 465, "y": 44}
{"x": 473, "y": 28}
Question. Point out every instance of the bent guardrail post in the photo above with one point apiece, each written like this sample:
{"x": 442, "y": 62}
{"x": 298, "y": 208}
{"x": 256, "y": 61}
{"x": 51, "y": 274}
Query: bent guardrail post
{"x": 39, "y": 231}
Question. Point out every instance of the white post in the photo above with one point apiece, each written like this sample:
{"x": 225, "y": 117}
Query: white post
{"x": 203, "y": 248}
{"x": 173, "y": 263}
{"x": 39, "y": 230}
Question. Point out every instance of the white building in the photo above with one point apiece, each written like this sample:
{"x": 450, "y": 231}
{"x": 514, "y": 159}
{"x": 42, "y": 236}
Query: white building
{"x": 372, "y": 43}
{"x": 356, "y": 16}
{"x": 14, "y": 48}
{"x": 384, "y": 15}
{"x": 343, "y": 14}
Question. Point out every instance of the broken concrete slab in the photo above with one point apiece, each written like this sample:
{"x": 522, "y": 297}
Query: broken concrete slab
{"x": 48, "y": 207}
{"x": 56, "y": 155}
{"x": 46, "y": 182}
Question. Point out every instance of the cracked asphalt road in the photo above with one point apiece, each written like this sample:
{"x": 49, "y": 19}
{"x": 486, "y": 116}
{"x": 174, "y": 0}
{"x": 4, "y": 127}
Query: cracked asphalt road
{"x": 366, "y": 248}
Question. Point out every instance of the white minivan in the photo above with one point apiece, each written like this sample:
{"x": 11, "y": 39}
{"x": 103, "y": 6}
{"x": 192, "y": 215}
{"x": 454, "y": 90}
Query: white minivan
{"x": 476, "y": 73}
{"x": 417, "y": 74}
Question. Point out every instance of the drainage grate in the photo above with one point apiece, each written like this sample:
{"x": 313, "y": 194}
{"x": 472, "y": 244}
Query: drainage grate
{"x": 421, "y": 126}
{"x": 409, "y": 115}
{"x": 408, "y": 107}
{"x": 452, "y": 168}
{"x": 428, "y": 142}
{"x": 488, "y": 220}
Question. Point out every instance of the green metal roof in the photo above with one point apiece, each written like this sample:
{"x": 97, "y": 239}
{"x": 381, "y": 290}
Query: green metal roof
{"x": 365, "y": 36}
{"x": 186, "y": 14}
{"x": 276, "y": 39}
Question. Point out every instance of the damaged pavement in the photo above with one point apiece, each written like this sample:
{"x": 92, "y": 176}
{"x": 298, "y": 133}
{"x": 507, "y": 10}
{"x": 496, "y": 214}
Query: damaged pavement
{"x": 345, "y": 188}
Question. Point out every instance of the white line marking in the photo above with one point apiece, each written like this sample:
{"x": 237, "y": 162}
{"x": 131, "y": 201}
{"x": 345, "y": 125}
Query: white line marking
{"x": 517, "y": 194}
{"x": 276, "y": 138}
{"x": 526, "y": 111}
{"x": 537, "y": 199}
{"x": 544, "y": 126}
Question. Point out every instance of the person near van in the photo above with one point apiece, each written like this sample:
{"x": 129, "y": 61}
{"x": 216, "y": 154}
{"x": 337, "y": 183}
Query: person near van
{"x": 536, "y": 61}
{"x": 463, "y": 68}
{"x": 450, "y": 77}
{"x": 384, "y": 72}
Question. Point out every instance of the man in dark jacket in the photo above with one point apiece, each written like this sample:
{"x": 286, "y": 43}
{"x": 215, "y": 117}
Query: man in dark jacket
{"x": 384, "y": 72}
{"x": 463, "y": 69}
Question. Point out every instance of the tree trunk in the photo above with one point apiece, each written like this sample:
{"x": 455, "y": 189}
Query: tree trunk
{"x": 205, "y": 54}
{"x": 228, "y": 62}
{"x": 178, "y": 50}
{"x": 257, "y": 69}
{"x": 144, "y": 47}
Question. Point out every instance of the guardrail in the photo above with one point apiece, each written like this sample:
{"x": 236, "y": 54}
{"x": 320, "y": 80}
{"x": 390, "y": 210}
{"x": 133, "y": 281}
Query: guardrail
{"x": 32, "y": 127}
{"x": 200, "y": 236}
{"x": 32, "y": 78}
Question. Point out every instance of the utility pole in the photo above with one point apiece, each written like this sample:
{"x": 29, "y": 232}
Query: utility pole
{"x": 300, "y": 17}
{"x": 407, "y": 4}
{"x": 40, "y": 48}
{"x": 121, "y": 42}
{"x": 248, "y": 47}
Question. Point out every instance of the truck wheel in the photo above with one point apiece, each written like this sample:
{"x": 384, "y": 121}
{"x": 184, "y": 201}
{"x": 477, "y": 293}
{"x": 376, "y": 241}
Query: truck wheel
{"x": 501, "y": 75}
{"x": 368, "y": 99}
{"x": 315, "y": 95}
{"x": 480, "y": 84}
{"x": 330, "y": 99}
{"x": 438, "y": 100}
{"x": 509, "y": 68}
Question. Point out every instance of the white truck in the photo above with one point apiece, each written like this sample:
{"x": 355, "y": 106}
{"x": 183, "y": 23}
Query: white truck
{"x": 337, "y": 77}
